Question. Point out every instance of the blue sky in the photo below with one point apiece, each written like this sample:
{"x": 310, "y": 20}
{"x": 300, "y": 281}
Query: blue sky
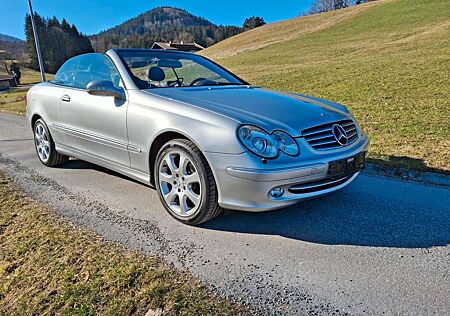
{"x": 93, "y": 16}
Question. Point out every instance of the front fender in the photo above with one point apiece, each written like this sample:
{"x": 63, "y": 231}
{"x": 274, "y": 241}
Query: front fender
{"x": 149, "y": 116}
{"x": 43, "y": 99}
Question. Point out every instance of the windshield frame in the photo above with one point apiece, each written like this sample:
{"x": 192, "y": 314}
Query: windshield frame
{"x": 121, "y": 56}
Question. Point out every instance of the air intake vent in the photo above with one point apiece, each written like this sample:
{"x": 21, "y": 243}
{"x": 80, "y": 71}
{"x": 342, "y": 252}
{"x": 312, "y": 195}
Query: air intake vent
{"x": 332, "y": 135}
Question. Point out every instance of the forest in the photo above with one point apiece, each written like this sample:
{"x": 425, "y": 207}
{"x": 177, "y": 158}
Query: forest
{"x": 59, "y": 42}
{"x": 162, "y": 24}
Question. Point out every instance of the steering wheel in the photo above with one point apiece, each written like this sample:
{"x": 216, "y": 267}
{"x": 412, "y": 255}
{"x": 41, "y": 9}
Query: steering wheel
{"x": 198, "y": 80}
{"x": 175, "y": 83}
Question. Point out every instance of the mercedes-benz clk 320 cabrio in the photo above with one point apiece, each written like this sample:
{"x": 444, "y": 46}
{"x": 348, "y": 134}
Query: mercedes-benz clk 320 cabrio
{"x": 203, "y": 137}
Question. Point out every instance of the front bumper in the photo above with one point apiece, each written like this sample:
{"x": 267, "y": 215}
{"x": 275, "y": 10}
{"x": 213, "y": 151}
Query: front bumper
{"x": 244, "y": 181}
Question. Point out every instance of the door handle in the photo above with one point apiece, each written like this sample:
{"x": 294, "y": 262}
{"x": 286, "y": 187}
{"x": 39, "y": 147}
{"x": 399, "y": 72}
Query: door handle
{"x": 65, "y": 98}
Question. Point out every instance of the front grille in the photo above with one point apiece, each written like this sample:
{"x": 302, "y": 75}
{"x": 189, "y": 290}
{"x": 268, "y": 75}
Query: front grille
{"x": 322, "y": 138}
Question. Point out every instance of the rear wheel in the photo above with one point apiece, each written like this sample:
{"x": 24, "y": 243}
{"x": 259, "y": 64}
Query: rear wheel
{"x": 185, "y": 183}
{"x": 45, "y": 147}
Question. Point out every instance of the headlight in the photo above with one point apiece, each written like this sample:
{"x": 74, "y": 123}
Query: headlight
{"x": 286, "y": 143}
{"x": 258, "y": 141}
{"x": 264, "y": 144}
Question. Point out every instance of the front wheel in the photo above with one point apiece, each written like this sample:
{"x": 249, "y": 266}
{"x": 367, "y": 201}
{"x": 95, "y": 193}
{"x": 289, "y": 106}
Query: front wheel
{"x": 45, "y": 147}
{"x": 185, "y": 183}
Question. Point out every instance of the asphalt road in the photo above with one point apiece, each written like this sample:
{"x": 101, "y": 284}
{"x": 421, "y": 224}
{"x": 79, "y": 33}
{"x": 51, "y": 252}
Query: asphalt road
{"x": 378, "y": 246}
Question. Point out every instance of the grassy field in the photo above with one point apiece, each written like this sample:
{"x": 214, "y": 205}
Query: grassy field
{"x": 13, "y": 101}
{"x": 388, "y": 61}
{"x": 49, "y": 267}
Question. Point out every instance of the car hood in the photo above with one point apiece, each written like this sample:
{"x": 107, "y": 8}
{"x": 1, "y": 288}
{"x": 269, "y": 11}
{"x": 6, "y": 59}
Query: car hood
{"x": 266, "y": 108}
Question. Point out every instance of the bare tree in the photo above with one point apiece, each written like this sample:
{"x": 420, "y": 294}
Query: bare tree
{"x": 320, "y": 6}
{"x": 5, "y": 56}
{"x": 363, "y": 1}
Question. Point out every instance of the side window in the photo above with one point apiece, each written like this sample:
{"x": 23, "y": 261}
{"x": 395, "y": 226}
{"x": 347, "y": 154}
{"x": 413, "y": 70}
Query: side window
{"x": 66, "y": 73}
{"x": 93, "y": 67}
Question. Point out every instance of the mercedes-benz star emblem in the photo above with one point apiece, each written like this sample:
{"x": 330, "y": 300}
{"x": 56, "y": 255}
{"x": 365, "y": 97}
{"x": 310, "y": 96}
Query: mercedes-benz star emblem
{"x": 340, "y": 134}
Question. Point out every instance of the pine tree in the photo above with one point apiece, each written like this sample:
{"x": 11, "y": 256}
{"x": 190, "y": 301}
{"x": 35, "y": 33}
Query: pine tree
{"x": 253, "y": 22}
{"x": 59, "y": 42}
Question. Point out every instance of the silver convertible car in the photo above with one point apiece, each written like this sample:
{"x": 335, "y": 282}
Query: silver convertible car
{"x": 203, "y": 137}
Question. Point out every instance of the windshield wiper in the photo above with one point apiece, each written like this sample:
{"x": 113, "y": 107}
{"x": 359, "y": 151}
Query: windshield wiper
{"x": 222, "y": 84}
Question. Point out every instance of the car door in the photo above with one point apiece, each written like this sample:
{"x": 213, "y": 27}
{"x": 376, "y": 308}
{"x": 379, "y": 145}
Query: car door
{"x": 52, "y": 100}
{"x": 96, "y": 125}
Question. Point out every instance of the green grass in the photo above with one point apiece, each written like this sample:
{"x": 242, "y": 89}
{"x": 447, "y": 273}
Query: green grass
{"x": 49, "y": 267}
{"x": 13, "y": 101}
{"x": 29, "y": 76}
{"x": 388, "y": 61}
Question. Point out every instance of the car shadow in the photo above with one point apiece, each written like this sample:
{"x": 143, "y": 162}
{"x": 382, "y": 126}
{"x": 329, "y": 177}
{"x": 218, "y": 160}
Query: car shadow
{"x": 396, "y": 164}
{"x": 350, "y": 216}
{"x": 341, "y": 218}
{"x": 75, "y": 163}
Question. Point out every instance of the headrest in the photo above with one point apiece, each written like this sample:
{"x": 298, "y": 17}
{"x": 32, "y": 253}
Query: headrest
{"x": 155, "y": 74}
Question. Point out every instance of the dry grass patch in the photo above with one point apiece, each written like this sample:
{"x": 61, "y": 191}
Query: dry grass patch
{"x": 30, "y": 76}
{"x": 13, "y": 101}
{"x": 49, "y": 267}
{"x": 279, "y": 32}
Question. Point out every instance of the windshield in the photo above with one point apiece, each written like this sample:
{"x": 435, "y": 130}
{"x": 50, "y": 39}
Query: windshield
{"x": 150, "y": 69}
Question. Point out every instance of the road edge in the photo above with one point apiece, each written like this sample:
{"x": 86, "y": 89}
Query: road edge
{"x": 410, "y": 175}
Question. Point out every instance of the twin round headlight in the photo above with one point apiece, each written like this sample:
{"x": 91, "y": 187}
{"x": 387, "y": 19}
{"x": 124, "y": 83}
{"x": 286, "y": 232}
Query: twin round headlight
{"x": 267, "y": 145}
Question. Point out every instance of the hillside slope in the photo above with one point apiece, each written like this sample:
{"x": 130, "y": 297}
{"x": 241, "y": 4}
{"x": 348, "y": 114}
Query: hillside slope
{"x": 4, "y": 37}
{"x": 162, "y": 24}
{"x": 14, "y": 46}
{"x": 388, "y": 61}
{"x": 283, "y": 31}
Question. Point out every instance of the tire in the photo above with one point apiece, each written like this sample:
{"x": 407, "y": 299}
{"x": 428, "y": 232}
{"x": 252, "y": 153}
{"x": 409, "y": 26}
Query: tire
{"x": 185, "y": 183}
{"x": 45, "y": 147}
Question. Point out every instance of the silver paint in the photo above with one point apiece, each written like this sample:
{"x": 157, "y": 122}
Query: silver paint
{"x": 118, "y": 133}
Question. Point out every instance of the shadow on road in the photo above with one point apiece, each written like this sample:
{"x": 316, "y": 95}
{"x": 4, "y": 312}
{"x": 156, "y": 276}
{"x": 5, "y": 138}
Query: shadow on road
{"x": 344, "y": 218}
{"x": 81, "y": 165}
{"x": 366, "y": 213}
{"x": 399, "y": 163}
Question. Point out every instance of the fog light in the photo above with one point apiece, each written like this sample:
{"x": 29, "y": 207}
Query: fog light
{"x": 276, "y": 192}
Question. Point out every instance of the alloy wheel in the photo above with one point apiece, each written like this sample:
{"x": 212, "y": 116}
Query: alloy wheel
{"x": 180, "y": 183}
{"x": 42, "y": 142}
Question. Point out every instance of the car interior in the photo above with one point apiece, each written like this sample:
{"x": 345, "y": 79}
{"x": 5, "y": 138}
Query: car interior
{"x": 152, "y": 72}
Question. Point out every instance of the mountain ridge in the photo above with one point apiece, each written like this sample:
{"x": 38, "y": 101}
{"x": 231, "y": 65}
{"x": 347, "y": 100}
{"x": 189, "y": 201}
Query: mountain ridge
{"x": 9, "y": 38}
{"x": 162, "y": 24}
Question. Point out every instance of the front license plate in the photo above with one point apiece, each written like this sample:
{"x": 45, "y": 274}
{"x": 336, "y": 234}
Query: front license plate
{"x": 346, "y": 167}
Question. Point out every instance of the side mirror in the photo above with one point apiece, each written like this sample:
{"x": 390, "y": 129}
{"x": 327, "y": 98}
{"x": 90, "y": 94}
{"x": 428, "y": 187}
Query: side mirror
{"x": 104, "y": 88}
